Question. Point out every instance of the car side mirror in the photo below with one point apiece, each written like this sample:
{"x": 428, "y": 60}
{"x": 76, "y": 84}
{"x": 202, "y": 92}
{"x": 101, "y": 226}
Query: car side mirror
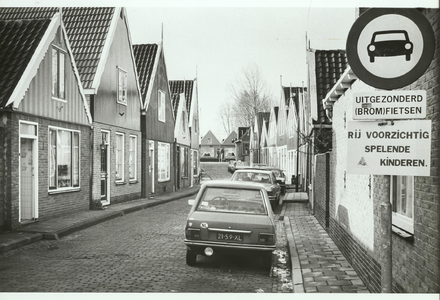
{"x": 191, "y": 202}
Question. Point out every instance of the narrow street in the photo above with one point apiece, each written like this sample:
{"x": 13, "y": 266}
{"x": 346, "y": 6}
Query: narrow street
{"x": 139, "y": 252}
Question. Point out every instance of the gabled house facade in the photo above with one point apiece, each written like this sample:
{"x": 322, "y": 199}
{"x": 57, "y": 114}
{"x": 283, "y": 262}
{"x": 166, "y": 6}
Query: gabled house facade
{"x": 45, "y": 124}
{"x": 182, "y": 140}
{"x": 242, "y": 144}
{"x": 282, "y": 133}
{"x": 293, "y": 95}
{"x": 210, "y": 146}
{"x": 108, "y": 75}
{"x": 157, "y": 121}
{"x": 255, "y": 137}
{"x": 228, "y": 146}
{"x": 264, "y": 149}
{"x": 272, "y": 135}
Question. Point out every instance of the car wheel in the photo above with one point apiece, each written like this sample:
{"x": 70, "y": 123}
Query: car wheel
{"x": 408, "y": 57}
{"x": 191, "y": 258}
{"x": 371, "y": 58}
{"x": 267, "y": 260}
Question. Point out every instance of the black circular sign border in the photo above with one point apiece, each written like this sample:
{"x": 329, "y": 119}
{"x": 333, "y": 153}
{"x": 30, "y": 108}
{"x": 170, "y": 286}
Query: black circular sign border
{"x": 397, "y": 82}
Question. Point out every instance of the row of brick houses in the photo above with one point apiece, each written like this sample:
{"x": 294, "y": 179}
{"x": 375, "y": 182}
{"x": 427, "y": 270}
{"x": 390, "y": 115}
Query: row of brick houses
{"x": 305, "y": 134}
{"x": 86, "y": 117}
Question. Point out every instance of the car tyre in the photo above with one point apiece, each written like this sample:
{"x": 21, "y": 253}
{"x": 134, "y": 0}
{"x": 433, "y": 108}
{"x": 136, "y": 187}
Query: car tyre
{"x": 371, "y": 59}
{"x": 191, "y": 258}
{"x": 267, "y": 260}
{"x": 408, "y": 57}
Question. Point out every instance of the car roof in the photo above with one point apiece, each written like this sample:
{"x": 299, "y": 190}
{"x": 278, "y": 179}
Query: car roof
{"x": 259, "y": 168}
{"x": 253, "y": 170}
{"x": 234, "y": 184}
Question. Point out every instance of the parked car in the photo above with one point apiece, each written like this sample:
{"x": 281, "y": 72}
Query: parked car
{"x": 279, "y": 174}
{"x": 235, "y": 165}
{"x": 265, "y": 177}
{"x": 229, "y": 216}
{"x": 390, "y": 43}
{"x": 230, "y": 157}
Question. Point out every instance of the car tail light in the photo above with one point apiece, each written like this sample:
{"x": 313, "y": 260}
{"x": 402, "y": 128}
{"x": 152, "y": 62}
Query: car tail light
{"x": 266, "y": 238}
{"x": 193, "y": 233}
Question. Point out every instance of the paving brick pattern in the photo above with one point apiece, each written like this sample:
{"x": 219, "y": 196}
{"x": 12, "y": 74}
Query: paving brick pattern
{"x": 139, "y": 252}
{"x": 324, "y": 268}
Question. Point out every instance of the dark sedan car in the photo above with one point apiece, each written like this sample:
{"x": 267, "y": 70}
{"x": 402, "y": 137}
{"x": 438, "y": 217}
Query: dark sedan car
{"x": 230, "y": 216}
{"x": 390, "y": 43}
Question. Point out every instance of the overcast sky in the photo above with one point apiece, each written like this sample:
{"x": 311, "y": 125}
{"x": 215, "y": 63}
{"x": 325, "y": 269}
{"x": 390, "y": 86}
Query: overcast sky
{"x": 215, "y": 40}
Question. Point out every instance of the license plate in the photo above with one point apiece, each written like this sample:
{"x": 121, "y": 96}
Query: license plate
{"x": 230, "y": 237}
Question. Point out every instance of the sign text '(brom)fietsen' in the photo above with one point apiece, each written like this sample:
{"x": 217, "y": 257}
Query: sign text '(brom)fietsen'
{"x": 389, "y": 105}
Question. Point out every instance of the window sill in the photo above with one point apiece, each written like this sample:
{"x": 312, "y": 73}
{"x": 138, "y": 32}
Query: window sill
{"x": 120, "y": 182}
{"x": 54, "y": 192}
{"x": 403, "y": 234}
{"x": 133, "y": 181}
{"x": 163, "y": 180}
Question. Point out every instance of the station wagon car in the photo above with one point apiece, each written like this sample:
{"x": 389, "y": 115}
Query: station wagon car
{"x": 230, "y": 216}
{"x": 390, "y": 43}
{"x": 265, "y": 177}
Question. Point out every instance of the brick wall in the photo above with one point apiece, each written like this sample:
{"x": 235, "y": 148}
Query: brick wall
{"x": 320, "y": 189}
{"x": 119, "y": 192}
{"x": 49, "y": 205}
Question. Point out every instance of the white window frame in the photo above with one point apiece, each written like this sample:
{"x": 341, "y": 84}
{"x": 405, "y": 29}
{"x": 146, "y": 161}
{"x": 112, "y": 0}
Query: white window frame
{"x": 400, "y": 220}
{"x": 163, "y": 161}
{"x": 71, "y": 187}
{"x": 121, "y": 178}
{"x": 161, "y": 106}
{"x": 122, "y": 86}
{"x": 133, "y": 154}
{"x": 60, "y": 74}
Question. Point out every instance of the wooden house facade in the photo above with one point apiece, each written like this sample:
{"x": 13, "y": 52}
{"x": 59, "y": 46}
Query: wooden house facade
{"x": 158, "y": 120}
{"x": 45, "y": 124}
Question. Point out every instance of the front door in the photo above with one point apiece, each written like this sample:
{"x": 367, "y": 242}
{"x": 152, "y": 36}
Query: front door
{"x": 105, "y": 167}
{"x": 151, "y": 167}
{"x": 28, "y": 205}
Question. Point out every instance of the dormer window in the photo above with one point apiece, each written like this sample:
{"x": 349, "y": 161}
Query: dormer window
{"x": 58, "y": 66}
{"x": 122, "y": 86}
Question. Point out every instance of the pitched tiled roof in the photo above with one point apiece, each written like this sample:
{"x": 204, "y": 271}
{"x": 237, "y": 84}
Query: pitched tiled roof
{"x": 86, "y": 27}
{"x": 294, "y": 93}
{"x": 177, "y": 87}
{"x": 209, "y": 134}
{"x": 18, "y": 41}
{"x": 329, "y": 65}
{"x": 231, "y": 136}
{"x": 261, "y": 117}
{"x": 145, "y": 56}
{"x": 175, "y": 99}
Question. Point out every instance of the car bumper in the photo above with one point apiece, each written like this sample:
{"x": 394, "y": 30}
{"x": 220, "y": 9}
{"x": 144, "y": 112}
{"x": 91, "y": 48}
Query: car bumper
{"x": 198, "y": 246}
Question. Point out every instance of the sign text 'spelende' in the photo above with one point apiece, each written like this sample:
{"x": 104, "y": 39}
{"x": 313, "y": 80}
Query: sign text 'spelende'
{"x": 403, "y": 148}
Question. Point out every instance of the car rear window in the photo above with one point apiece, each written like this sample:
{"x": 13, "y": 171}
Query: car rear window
{"x": 241, "y": 201}
{"x": 252, "y": 176}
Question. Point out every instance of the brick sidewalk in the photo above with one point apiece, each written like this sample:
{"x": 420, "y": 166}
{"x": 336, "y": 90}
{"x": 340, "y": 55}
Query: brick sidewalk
{"x": 324, "y": 269}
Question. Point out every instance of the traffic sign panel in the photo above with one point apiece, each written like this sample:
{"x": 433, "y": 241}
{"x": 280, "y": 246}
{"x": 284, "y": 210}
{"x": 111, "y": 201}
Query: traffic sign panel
{"x": 390, "y": 48}
{"x": 397, "y": 148}
{"x": 376, "y": 105}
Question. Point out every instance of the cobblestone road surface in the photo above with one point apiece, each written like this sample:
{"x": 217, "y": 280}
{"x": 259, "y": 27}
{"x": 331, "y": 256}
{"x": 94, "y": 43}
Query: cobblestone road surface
{"x": 139, "y": 252}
